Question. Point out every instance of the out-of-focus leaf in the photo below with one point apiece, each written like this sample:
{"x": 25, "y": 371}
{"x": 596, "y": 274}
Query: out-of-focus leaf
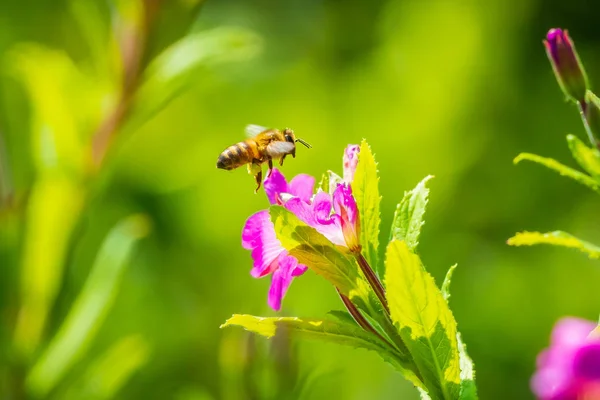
{"x": 178, "y": 67}
{"x": 408, "y": 218}
{"x": 110, "y": 372}
{"x": 447, "y": 281}
{"x": 330, "y": 331}
{"x": 333, "y": 181}
{"x": 588, "y": 158}
{"x": 555, "y": 238}
{"x": 468, "y": 390}
{"x": 319, "y": 254}
{"x": 89, "y": 308}
{"x": 365, "y": 188}
{"x": 561, "y": 169}
{"x": 66, "y": 107}
{"x": 52, "y": 212}
{"x": 424, "y": 320}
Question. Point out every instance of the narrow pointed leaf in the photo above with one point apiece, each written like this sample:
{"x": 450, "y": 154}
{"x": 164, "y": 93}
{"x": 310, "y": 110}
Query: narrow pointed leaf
{"x": 365, "y": 189}
{"x": 408, "y": 218}
{"x": 587, "y": 157}
{"x": 561, "y": 169}
{"x": 556, "y": 238}
{"x": 447, "y": 281}
{"x": 348, "y": 334}
{"x": 424, "y": 320}
{"x": 318, "y": 253}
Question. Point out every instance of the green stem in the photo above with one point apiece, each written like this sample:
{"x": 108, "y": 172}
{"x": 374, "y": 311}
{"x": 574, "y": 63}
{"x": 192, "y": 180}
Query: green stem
{"x": 582, "y": 107}
{"x": 373, "y": 281}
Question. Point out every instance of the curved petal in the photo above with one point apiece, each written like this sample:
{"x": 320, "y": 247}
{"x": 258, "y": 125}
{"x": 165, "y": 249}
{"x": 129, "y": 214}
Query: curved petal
{"x": 343, "y": 200}
{"x": 274, "y": 185}
{"x": 283, "y": 275}
{"x": 302, "y": 186}
{"x": 259, "y": 236}
{"x": 332, "y": 229}
{"x": 350, "y": 162}
{"x": 586, "y": 363}
{"x": 571, "y": 332}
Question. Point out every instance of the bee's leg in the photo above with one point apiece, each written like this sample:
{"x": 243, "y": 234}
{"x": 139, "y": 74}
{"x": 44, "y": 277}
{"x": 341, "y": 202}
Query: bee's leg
{"x": 281, "y": 160}
{"x": 258, "y": 178}
{"x": 270, "y": 167}
{"x": 256, "y": 170}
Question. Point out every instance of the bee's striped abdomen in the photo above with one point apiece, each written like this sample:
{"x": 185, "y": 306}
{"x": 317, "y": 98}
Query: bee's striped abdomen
{"x": 237, "y": 155}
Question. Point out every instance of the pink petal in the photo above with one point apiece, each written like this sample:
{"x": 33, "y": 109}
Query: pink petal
{"x": 571, "y": 332}
{"x": 343, "y": 199}
{"x": 259, "y": 236}
{"x": 330, "y": 228}
{"x": 274, "y": 185}
{"x": 302, "y": 186}
{"x": 350, "y": 162}
{"x": 288, "y": 267}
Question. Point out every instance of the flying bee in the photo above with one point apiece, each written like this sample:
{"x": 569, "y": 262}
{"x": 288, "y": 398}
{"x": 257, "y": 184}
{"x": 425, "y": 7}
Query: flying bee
{"x": 263, "y": 145}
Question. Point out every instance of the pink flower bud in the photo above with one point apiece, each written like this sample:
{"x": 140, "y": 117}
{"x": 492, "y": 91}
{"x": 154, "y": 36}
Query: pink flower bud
{"x": 566, "y": 64}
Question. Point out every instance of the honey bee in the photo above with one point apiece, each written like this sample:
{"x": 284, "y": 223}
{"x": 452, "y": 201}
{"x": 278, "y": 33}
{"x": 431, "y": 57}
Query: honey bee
{"x": 263, "y": 145}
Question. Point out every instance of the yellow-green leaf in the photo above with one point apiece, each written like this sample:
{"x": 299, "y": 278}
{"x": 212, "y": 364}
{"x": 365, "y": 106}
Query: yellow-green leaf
{"x": 365, "y": 188}
{"x": 320, "y": 255}
{"x": 424, "y": 320}
{"x": 330, "y": 331}
{"x": 447, "y": 281}
{"x": 408, "y": 218}
{"x": 588, "y": 158}
{"x": 556, "y": 238}
{"x": 561, "y": 169}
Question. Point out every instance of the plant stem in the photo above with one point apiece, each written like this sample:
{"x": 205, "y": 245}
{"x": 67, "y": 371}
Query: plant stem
{"x": 582, "y": 107}
{"x": 373, "y": 281}
{"x": 360, "y": 319}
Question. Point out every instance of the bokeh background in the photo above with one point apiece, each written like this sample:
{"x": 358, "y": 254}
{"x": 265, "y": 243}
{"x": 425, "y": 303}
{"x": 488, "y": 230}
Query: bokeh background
{"x": 116, "y": 274}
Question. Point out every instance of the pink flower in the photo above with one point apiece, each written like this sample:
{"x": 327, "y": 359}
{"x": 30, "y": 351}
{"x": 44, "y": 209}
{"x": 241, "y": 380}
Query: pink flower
{"x": 335, "y": 217}
{"x": 570, "y": 367}
{"x": 566, "y": 65}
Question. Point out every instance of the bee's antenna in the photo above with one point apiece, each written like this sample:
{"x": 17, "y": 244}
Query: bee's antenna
{"x": 304, "y": 143}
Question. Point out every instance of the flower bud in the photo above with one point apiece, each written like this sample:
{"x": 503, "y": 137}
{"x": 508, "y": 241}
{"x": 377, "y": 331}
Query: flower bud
{"x": 566, "y": 64}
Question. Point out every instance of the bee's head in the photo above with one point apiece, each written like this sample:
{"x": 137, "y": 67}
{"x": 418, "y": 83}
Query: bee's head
{"x": 289, "y": 136}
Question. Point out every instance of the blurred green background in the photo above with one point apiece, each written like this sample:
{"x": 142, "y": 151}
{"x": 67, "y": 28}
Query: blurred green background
{"x": 116, "y": 274}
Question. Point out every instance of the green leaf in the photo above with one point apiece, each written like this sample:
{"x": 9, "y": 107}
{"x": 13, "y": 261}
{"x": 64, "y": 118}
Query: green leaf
{"x": 90, "y": 308}
{"x": 561, "y": 169}
{"x": 447, "y": 281}
{"x": 424, "y": 320}
{"x": 468, "y": 390}
{"x": 556, "y": 238}
{"x": 588, "y": 158}
{"x": 179, "y": 66}
{"x": 408, "y": 218}
{"x": 325, "y": 330}
{"x": 365, "y": 188}
{"x": 315, "y": 251}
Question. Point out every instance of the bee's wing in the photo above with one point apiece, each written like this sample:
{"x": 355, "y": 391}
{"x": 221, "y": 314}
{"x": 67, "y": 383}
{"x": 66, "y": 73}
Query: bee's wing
{"x": 278, "y": 149}
{"x": 253, "y": 130}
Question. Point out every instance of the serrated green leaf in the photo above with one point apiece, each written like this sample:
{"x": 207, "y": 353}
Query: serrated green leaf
{"x": 408, "y": 218}
{"x": 561, "y": 169}
{"x": 329, "y": 331}
{"x": 324, "y": 183}
{"x": 178, "y": 67}
{"x": 424, "y": 320}
{"x": 342, "y": 316}
{"x": 365, "y": 188}
{"x": 556, "y": 238}
{"x": 468, "y": 390}
{"x": 447, "y": 281}
{"x": 588, "y": 158}
{"x": 316, "y": 252}
{"x": 333, "y": 181}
